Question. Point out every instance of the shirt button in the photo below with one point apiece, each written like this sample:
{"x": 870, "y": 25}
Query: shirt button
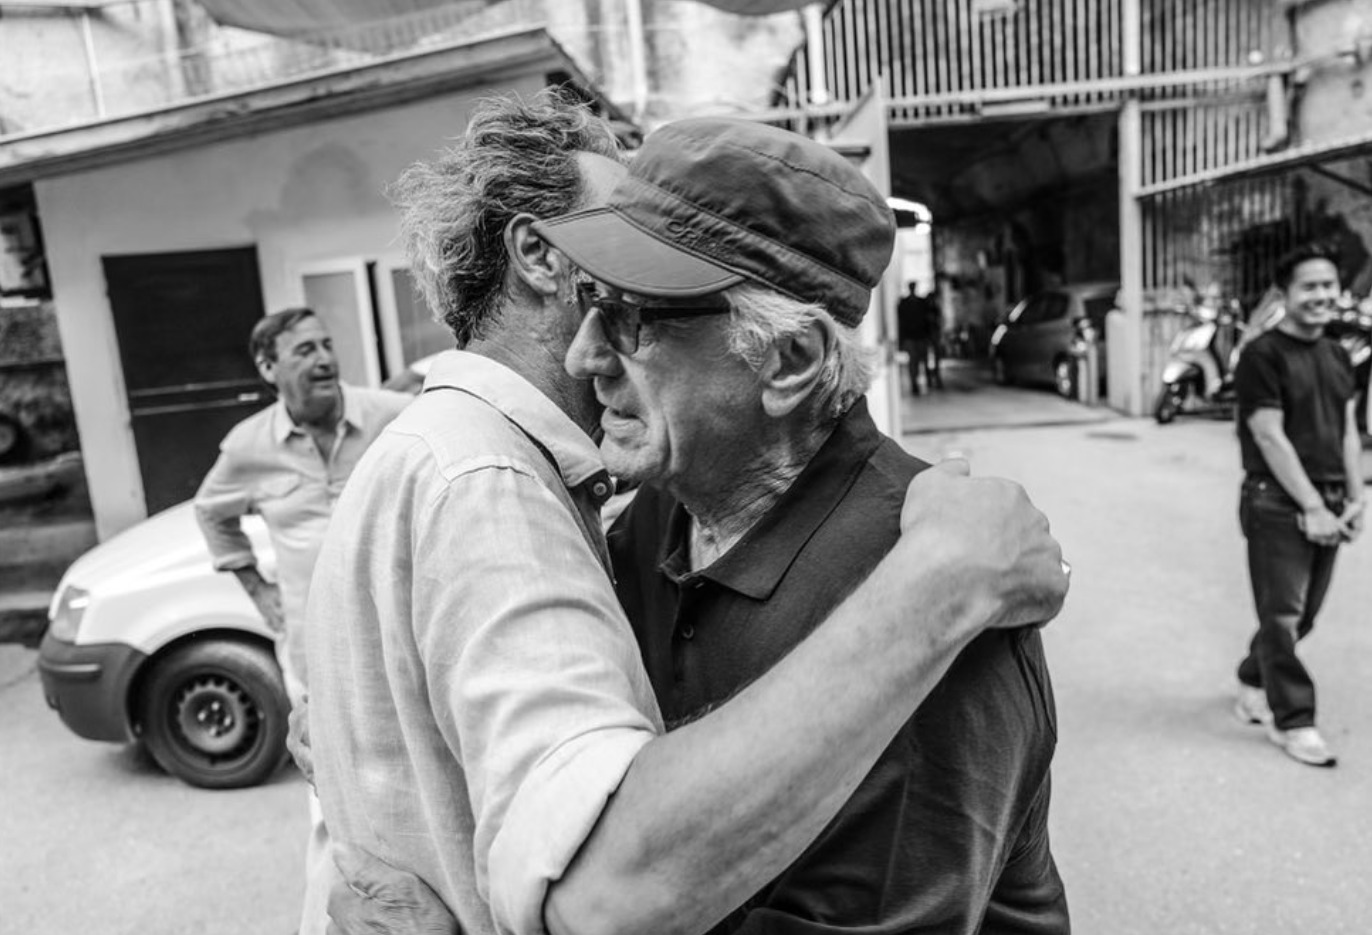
{"x": 688, "y": 632}
{"x": 600, "y": 489}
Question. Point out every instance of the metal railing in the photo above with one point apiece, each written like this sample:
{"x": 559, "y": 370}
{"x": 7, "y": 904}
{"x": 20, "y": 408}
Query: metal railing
{"x": 941, "y": 60}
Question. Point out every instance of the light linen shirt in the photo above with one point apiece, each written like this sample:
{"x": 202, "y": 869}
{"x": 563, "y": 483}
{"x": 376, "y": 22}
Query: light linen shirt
{"x": 269, "y": 465}
{"x": 476, "y": 692}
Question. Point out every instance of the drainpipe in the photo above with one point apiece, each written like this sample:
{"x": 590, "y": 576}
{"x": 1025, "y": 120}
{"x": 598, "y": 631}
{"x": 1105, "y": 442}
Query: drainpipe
{"x": 813, "y": 17}
{"x": 1126, "y": 376}
{"x": 92, "y": 65}
{"x": 638, "y": 60}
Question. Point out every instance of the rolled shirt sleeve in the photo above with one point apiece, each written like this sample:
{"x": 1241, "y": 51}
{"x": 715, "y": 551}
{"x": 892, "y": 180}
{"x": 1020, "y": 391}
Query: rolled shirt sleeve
{"x": 220, "y": 503}
{"x": 534, "y": 674}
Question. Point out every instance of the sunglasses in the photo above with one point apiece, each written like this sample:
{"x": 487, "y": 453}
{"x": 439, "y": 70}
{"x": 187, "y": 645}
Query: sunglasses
{"x": 621, "y": 321}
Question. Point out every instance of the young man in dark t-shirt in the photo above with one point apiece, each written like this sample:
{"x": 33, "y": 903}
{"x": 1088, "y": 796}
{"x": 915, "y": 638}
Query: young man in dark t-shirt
{"x": 1302, "y": 494}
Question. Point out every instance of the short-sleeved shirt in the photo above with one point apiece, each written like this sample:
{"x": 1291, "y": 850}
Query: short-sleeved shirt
{"x": 1311, "y": 383}
{"x": 269, "y": 465}
{"x": 948, "y": 832}
{"x": 476, "y": 692}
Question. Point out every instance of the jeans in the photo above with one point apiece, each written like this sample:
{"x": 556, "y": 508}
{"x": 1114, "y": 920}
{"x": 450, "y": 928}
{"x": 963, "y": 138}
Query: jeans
{"x": 1290, "y": 577}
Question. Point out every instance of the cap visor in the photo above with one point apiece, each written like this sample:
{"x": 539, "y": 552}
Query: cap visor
{"x": 611, "y": 249}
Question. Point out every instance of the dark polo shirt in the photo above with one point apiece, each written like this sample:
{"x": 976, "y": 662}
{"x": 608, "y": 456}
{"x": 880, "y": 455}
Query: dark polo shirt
{"x": 948, "y": 833}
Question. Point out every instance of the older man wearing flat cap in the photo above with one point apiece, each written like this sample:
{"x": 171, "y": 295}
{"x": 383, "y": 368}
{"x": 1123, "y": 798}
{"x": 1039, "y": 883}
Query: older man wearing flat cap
{"x": 730, "y": 271}
{"x": 716, "y": 298}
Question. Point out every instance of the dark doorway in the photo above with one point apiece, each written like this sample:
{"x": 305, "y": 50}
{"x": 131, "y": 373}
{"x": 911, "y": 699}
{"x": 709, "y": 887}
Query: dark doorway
{"x": 182, "y": 321}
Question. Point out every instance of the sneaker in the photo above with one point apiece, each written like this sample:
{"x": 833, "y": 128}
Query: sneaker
{"x": 1251, "y": 705}
{"x": 1304, "y": 744}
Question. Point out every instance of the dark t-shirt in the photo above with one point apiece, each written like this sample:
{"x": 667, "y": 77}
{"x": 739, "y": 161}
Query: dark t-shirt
{"x": 948, "y": 832}
{"x": 1311, "y": 382}
{"x": 916, "y": 318}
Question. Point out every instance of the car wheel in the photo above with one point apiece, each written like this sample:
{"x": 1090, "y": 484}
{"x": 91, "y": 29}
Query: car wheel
{"x": 999, "y": 372}
{"x": 12, "y": 439}
{"x": 214, "y": 714}
{"x": 1065, "y": 378}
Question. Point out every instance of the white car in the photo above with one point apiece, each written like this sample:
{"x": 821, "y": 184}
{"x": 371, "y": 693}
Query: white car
{"x": 147, "y": 642}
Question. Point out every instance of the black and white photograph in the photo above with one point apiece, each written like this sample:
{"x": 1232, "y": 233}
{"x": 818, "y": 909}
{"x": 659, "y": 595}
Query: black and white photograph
{"x": 685, "y": 467}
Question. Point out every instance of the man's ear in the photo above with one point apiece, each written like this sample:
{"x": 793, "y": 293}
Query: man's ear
{"x": 792, "y": 368}
{"x": 267, "y": 370}
{"x": 533, "y": 260}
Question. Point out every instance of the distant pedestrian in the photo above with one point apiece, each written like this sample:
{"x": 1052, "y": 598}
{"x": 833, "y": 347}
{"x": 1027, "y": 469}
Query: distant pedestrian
{"x": 919, "y": 324}
{"x": 288, "y": 463}
{"x": 1302, "y": 494}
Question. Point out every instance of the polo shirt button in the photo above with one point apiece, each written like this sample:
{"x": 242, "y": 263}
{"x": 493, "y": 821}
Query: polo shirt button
{"x": 600, "y": 489}
{"x": 688, "y": 632}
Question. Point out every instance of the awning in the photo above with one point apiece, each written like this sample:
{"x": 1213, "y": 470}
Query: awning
{"x": 305, "y": 17}
{"x": 1307, "y": 154}
{"x": 309, "y": 17}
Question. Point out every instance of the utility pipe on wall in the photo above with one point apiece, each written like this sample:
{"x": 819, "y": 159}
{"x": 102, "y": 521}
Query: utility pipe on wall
{"x": 92, "y": 64}
{"x": 1126, "y": 376}
{"x": 638, "y": 59}
{"x": 813, "y": 17}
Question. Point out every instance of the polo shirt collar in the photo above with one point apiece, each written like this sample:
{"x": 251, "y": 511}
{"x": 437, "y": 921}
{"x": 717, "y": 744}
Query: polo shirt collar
{"x": 757, "y": 562}
{"x": 283, "y": 426}
{"x": 576, "y": 456}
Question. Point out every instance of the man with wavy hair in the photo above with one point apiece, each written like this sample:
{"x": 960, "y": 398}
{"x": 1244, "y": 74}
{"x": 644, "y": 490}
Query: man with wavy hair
{"x": 482, "y": 719}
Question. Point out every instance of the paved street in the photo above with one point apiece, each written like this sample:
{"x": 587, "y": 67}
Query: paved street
{"x": 95, "y": 839}
{"x": 1169, "y": 816}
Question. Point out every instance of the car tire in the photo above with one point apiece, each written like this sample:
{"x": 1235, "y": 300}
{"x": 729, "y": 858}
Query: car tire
{"x": 214, "y": 714}
{"x": 1065, "y": 377}
{"x": 13, "y": 441}
{"x": 999, "y": 372}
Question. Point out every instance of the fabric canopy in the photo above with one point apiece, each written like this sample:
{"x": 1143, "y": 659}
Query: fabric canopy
{"x": 304, "y": 17}
{"x": 308, "y": 17}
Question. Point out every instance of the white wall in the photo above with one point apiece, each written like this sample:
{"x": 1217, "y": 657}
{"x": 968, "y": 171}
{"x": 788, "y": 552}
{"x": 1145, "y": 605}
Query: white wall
{"x": 301, "y": 195}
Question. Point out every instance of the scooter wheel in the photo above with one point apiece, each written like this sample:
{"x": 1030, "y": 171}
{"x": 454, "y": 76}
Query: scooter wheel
{"x": 1169, "y": 402}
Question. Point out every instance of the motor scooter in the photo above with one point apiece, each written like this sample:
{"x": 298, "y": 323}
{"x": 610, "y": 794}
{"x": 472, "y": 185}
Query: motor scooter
{"x": 1200, "y": 361}
{"x": 1352, "y": 328}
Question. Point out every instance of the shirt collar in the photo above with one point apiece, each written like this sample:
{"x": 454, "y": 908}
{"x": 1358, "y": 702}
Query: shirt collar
{"x": 283, "y": 426}
{"x": 755, "y": 565}
{"x": 576, "y": 456}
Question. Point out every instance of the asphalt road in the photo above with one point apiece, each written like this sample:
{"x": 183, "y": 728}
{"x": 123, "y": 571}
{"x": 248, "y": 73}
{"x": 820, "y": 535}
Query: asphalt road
{"x": 1169, "y": 816}
{"x": 95, "y": 839}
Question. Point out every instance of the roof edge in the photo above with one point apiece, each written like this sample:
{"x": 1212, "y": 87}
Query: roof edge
{"x": 316, "y": 98}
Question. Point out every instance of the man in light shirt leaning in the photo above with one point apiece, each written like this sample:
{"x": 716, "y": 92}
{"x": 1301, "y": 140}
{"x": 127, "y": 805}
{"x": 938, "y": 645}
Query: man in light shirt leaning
{"x": 480, "y": 714}
{"x": 289, "y": 463}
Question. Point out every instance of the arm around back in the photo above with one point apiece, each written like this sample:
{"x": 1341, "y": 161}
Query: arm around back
{"x": 708, "y": 814}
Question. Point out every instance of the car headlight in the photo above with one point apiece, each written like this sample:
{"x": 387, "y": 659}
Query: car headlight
{"x": 65, "y": 621}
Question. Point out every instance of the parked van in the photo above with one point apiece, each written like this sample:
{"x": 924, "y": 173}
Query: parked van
{"x": 146, "y": 642}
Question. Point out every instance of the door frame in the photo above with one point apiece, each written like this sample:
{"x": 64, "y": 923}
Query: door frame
{"x": 366, "y": 311}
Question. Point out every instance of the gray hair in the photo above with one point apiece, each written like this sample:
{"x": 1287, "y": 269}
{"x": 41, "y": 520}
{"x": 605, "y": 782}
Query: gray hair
{"x": 760, "y": 317}
{"x": 516, "y": 157}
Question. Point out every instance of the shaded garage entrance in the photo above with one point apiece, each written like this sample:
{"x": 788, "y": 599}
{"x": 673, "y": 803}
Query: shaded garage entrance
{"x": 1019, "y": 206}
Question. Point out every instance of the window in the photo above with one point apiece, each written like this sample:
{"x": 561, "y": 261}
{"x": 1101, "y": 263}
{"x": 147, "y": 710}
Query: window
{"x": 379, "y": 322}
{"x": 23, "y": 269}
